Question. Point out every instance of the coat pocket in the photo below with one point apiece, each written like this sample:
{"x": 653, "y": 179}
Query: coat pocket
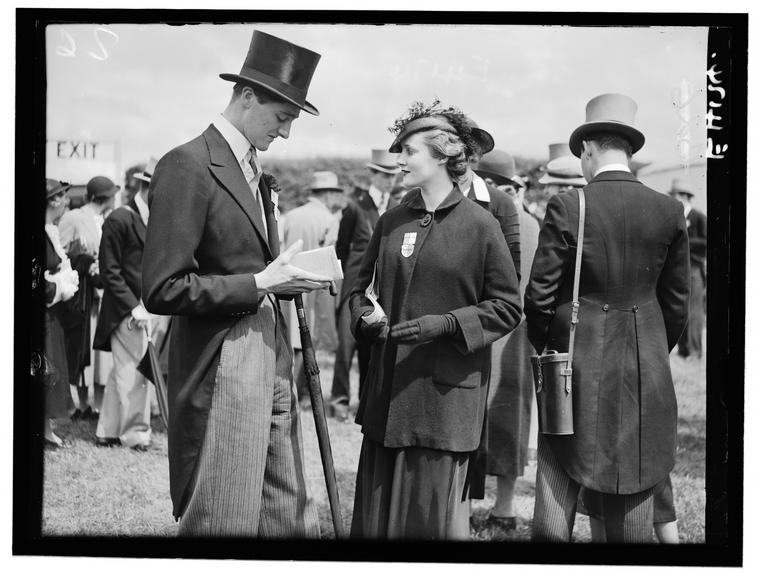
{"x": 451, "y": 368}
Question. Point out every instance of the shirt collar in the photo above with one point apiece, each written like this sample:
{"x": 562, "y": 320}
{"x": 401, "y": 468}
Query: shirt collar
{"x": 144, "y": 210}
{"x": 375, "y": 195}
{"x": 237, "y": 141}
{"x": 610, "y": 167}
{"x": 480, "y": 189}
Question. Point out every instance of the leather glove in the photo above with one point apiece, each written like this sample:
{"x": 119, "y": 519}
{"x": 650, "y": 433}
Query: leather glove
{"x": 375, "y": 332}
{"x": 424, "y": 329}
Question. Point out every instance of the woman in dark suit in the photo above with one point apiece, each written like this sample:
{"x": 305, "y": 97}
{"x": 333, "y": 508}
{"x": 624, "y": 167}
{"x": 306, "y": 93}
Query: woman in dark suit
{"x": 448, "y": 286}
{"x": 61, "y": 283}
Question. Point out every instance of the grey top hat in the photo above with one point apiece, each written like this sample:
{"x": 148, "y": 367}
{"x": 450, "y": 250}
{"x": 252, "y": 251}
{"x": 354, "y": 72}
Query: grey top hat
{"x": 323, "y": 181}
{"x": 563, "y": 170}
{"x": 146, "y": 174}
{"x": 612, "y": 113}
{"x": 280, "y": 67}
{"x": 559, "y": 149}
{"x": 383, "y": 161}
{"x": 499, "y": 166}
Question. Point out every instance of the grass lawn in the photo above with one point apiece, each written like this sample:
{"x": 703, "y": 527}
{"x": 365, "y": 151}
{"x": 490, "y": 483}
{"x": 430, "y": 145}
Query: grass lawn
{"x": 117, "y": 491}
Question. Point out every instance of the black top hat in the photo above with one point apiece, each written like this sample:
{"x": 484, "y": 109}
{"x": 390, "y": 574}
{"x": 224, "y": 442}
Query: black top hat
{"x": 101, "y": 187}
{"x": 280, "y": 67}
{"x": 54, "y": 187}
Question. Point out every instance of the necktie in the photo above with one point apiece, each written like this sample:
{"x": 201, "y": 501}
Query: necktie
{"x": 382, "y": 203}
{"x": 252, "y": 174}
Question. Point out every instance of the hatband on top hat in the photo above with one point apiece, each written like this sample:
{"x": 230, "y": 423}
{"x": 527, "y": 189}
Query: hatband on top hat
{"x": 101, "y": 187}
{"x": 54, "y": 187}
{"x": 146, "y": 174}
{"x": 499, "y": 166}
{"x": 280, "y": 67}
{"x": 418, "y": 125}
{"x": 681, "y": 186}
{"x": 324, "y": 181}
{"x": 383, "y": 161}
{"x": 609, "y": 113}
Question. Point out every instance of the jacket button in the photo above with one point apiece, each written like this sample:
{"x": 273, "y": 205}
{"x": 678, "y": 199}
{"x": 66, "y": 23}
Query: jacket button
{"x": 268, "y": 262}
{"x": 606, "y": 307}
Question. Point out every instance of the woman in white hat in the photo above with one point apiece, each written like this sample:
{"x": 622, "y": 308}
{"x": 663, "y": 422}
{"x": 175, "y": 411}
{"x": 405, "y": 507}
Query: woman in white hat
{"x": 446, "y": 294}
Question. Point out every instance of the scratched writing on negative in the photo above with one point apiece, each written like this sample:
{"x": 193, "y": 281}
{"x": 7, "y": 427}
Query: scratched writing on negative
{"x": 102, "y": 39}
{"x": 715, "y": 151}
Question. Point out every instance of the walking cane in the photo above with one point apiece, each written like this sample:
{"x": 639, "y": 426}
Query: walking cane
{"x": 319, "y": 414}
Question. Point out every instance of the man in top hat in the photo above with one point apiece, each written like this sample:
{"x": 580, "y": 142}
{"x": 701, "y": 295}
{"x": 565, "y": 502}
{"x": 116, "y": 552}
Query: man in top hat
{"x": 563, "y": 171}
{"x": 633, "y": 296}
{"x": 80, "y": 233}
{"x": 212, "y": 262}
{"x": 511, "y": 386}
{"x": 125, "y": 414}
{"x": 359, "y": 219}
{"x": 489, "y": 197}
{"x": 316, "y": 225}
{"x": 690, "y": 343}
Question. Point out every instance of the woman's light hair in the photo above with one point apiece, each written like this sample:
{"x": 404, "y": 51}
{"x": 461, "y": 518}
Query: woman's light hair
{"x": 447, "y": 146}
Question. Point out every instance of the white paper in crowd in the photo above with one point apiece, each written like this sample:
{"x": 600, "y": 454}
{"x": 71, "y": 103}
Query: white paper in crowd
{"x": 321, "y": 261}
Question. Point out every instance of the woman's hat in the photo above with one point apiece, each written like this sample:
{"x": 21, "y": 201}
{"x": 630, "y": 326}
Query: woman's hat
{"x": 383, "y": 161}
{"x": 146, "y": 174}
{"x": 484, "y": 140}
{"x": 681, "y": 186}
{"x": 280, "y": 67}
{"x": 418, "y": 125}
{"x": 55, "y": 187}
{"x": 610, "y": 113}
{"x": 499, "y": 166}
{"x": 101, "y": 187}
{"x": 324, "y": 181}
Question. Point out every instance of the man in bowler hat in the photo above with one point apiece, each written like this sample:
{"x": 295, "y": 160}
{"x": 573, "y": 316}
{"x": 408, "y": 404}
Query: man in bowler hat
{"x": 633, "y": 295}
{"x": 234, "y": 441}
{"x": 356, "y": 226}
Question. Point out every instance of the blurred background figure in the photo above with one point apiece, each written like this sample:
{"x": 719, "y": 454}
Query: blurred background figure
{"x": 358, "y": 221}
{"x": 316, "y": 224}
{"x": 131, "y": 183}
{"x": 511, "y": 397}
{"x": 61, "y": 284}
{"x": 80, "y": 233}
{"x": 125, "y": 414}
{"x": 690, "y": 343}
{"x": 398, "y": 193}
{"x": 563, "y": 171}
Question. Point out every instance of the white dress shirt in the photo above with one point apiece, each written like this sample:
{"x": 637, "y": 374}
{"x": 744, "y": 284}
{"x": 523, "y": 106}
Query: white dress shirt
{"x": 245, "y": 154}
{"x": 380, "y": 199}
{"x": 609, "y": 167}
{"x": 144, "y": 210}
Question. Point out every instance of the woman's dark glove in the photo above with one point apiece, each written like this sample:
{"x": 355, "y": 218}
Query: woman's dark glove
{"x": 424, "y": 329}
{"x": 375, "y": 332}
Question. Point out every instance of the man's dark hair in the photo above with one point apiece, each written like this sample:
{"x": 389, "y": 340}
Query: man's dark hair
{"x": 261, "y": 94}
{"x": 607, "y": 141}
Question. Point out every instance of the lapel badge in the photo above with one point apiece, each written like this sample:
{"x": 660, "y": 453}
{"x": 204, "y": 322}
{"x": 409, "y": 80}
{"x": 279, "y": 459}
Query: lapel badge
{"x": 408, "y": 244}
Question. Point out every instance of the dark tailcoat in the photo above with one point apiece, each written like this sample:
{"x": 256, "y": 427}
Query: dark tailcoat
{"x": 120, "y": 256}
{"x": 634, "y": 294}
{"x": 696, "y": 226}
{"x": 505, "y": 212}
{"x": 356, "y": 227}
{"x": 205, "y": 242}
{"x": 433, "y": 395}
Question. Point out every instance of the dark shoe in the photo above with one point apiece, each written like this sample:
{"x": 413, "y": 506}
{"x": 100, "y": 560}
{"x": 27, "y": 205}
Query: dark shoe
{"x": 77, "y": 415}
{"x": 90, "y": 415}
{"x": 140, "y": 448}
{"x": 107, "y": 442}
{"x": 506, "y": 523}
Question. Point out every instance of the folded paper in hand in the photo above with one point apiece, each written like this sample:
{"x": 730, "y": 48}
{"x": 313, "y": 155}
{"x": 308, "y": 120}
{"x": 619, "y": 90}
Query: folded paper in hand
{"x": 371, "y": 293}
{"x": 321, "y": 261}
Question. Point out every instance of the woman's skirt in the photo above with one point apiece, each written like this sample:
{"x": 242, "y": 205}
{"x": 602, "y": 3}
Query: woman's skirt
{"x": 411, "y": 493}
{"x": 58, "y": 401}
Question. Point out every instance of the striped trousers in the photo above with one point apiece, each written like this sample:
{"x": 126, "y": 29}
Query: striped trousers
{"x": 628, "y": 517}
{"x": 250, "y": 478}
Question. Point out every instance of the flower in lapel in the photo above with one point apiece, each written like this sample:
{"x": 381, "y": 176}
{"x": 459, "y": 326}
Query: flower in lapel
{"x": 274, "y": 189}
